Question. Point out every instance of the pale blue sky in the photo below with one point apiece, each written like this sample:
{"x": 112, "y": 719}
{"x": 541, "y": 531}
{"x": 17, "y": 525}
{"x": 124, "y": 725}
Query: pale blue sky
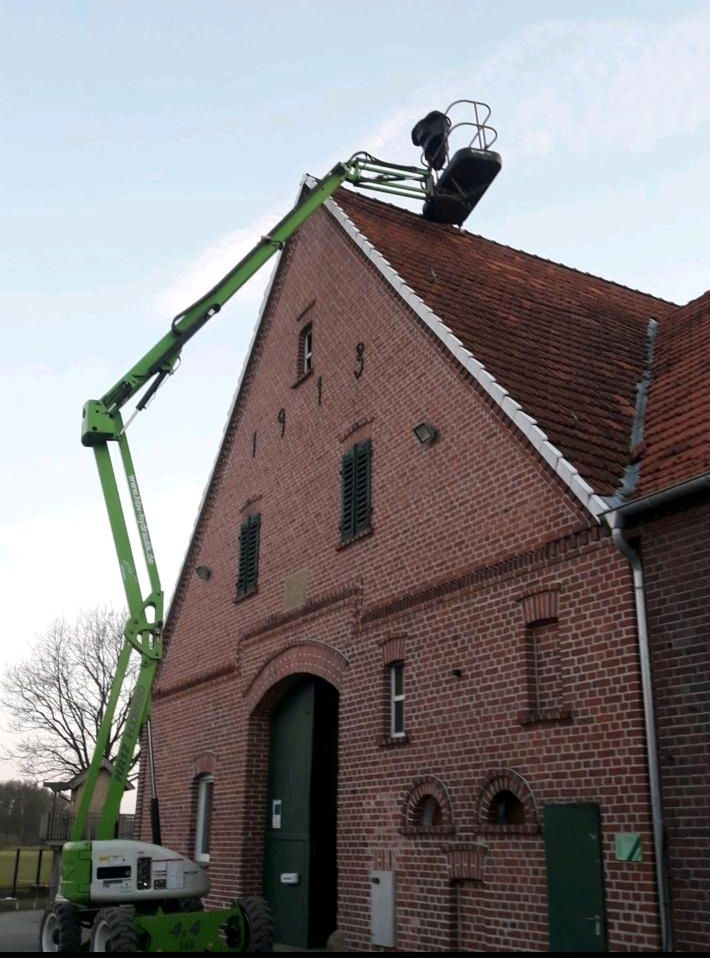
{"x": 143, "y": 144}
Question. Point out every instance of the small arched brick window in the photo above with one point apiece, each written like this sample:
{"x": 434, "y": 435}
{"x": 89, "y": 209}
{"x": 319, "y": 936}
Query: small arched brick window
{"x": 506, "y": 805}
{"x": 427, "y": 812}
{"x": 506, "y": 809}
{"x": 426, "y": 809}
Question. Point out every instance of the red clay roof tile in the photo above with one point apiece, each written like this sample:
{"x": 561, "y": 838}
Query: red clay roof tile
{"x": 569, "y": 347}
{"x": 677, "y": 434}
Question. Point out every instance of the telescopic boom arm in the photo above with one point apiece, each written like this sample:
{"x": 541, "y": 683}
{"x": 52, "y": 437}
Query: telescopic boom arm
{"x": 103, "y": 423}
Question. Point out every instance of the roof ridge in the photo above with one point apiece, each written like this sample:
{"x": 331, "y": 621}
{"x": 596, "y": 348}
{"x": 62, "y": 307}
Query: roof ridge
{"x": 454, "y": 231}
{"x": 695, "y": 301}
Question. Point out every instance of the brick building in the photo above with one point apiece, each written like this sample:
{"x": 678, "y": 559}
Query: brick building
{"x": 406, "y": 695}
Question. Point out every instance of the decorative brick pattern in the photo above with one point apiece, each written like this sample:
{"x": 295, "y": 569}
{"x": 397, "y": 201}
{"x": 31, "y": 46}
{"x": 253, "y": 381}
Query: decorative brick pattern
{"x": 466, "y": 862}
{"x": 547, "y": 675}
{"x": 383, "y": 859}
{"x": 299, "y": 658}
{"x": 393, "y": 649}
{"x": 540, "y": 606}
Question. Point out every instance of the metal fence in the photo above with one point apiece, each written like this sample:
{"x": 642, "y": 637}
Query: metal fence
{"x": 20, "y": 886}
{"x": 56, "y": 828}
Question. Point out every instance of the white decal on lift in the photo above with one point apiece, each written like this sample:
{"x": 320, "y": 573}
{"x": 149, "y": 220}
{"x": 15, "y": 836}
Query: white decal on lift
{"x": 169, "y": 874}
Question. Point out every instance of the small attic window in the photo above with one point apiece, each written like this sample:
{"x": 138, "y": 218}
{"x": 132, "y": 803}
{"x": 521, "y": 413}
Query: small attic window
{"x": 305, "y": 351}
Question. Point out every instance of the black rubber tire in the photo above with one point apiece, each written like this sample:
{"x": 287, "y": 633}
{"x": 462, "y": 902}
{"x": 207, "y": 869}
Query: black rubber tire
{"x": 66, "y": 930}
{"x": 260, "y": 926}
{"x": 115, "y": 927}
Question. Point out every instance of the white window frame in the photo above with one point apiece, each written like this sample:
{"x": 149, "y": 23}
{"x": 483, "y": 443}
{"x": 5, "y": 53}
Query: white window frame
{"x": 307, "y": 355}
{"x": 396, "y": 667}
{"x": 205, "y": 785}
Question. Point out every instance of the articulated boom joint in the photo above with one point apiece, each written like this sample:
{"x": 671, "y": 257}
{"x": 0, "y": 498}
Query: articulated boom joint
{"x": 145, "y": 636}
{"x": 98, "y": 424}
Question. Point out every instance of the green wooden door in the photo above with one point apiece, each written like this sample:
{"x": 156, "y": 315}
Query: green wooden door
{"x": 575, "y": 878}
{"x": 288, "y": 852}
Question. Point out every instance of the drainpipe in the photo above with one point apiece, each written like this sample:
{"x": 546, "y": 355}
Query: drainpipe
{"x": 616, "y": 523}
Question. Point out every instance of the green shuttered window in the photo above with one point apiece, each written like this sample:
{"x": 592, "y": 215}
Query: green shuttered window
{"x": 356, "y": 488}
{"x": 248, "y": 555}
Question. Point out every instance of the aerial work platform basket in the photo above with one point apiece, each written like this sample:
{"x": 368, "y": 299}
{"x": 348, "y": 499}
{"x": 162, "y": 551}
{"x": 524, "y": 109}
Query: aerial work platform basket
{"x": 456, "y": 183}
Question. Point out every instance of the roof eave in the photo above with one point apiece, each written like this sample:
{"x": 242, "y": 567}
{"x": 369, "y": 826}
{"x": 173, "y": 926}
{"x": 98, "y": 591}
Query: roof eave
{"x": 655, "y": 500}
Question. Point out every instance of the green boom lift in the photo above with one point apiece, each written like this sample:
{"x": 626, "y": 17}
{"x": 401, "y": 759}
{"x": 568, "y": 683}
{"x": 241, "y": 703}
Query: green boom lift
{"x": 136, "y": 895}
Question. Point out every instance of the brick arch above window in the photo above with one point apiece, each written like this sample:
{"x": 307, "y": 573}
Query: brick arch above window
{"x": 204, "y": 764}
{"x": 418, "y": 798}
{"x": 542, "y": 605}
{"x": 506, "y": 782}
{"x": 393, "y": 649}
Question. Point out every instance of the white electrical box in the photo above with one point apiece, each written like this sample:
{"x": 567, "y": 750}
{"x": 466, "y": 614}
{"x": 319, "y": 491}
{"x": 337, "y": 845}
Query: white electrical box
{"x": 382, "y": 908}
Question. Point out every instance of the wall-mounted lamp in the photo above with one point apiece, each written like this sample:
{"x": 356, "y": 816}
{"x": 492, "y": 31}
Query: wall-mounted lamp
{"x": 203, "y": 572}
{"x": 426, "y": 433}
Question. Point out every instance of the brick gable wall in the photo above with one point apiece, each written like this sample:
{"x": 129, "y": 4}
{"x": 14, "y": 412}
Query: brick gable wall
{"x": 473, "y": 541}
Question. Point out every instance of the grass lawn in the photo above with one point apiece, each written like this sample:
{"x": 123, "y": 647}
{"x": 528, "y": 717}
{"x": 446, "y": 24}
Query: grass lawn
{"x": 28, "y": 865}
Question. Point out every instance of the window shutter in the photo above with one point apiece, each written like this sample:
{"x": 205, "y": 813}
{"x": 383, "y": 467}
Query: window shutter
{"x": 356, "y": 484}
{"x": 253, "y": 559}
{"x": 243, "y": 539}
{"x": 248, "y": 554}
{"x": 347, "y": 521}
{"x": 363, "y": 455}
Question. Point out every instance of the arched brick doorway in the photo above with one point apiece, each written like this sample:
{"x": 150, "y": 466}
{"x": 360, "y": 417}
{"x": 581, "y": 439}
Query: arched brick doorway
{"x": 292, "y": 792}
{"x": 300, "y": 874}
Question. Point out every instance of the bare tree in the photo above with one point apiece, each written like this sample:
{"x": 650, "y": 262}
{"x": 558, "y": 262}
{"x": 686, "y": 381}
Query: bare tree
{"x": 55, "y": 697}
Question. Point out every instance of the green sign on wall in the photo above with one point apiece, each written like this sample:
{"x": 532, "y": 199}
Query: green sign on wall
{"x": 628, "y": 847}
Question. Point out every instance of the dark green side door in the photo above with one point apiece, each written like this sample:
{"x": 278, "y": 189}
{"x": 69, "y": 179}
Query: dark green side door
{"x": 575, "y": 878}
{"x": 287, "y": 852}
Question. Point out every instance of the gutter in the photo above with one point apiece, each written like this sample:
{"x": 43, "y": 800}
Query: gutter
{"x": 670, "y": 494}
{"x": 616, "y": 518}
{"x": 616, "y": 521}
